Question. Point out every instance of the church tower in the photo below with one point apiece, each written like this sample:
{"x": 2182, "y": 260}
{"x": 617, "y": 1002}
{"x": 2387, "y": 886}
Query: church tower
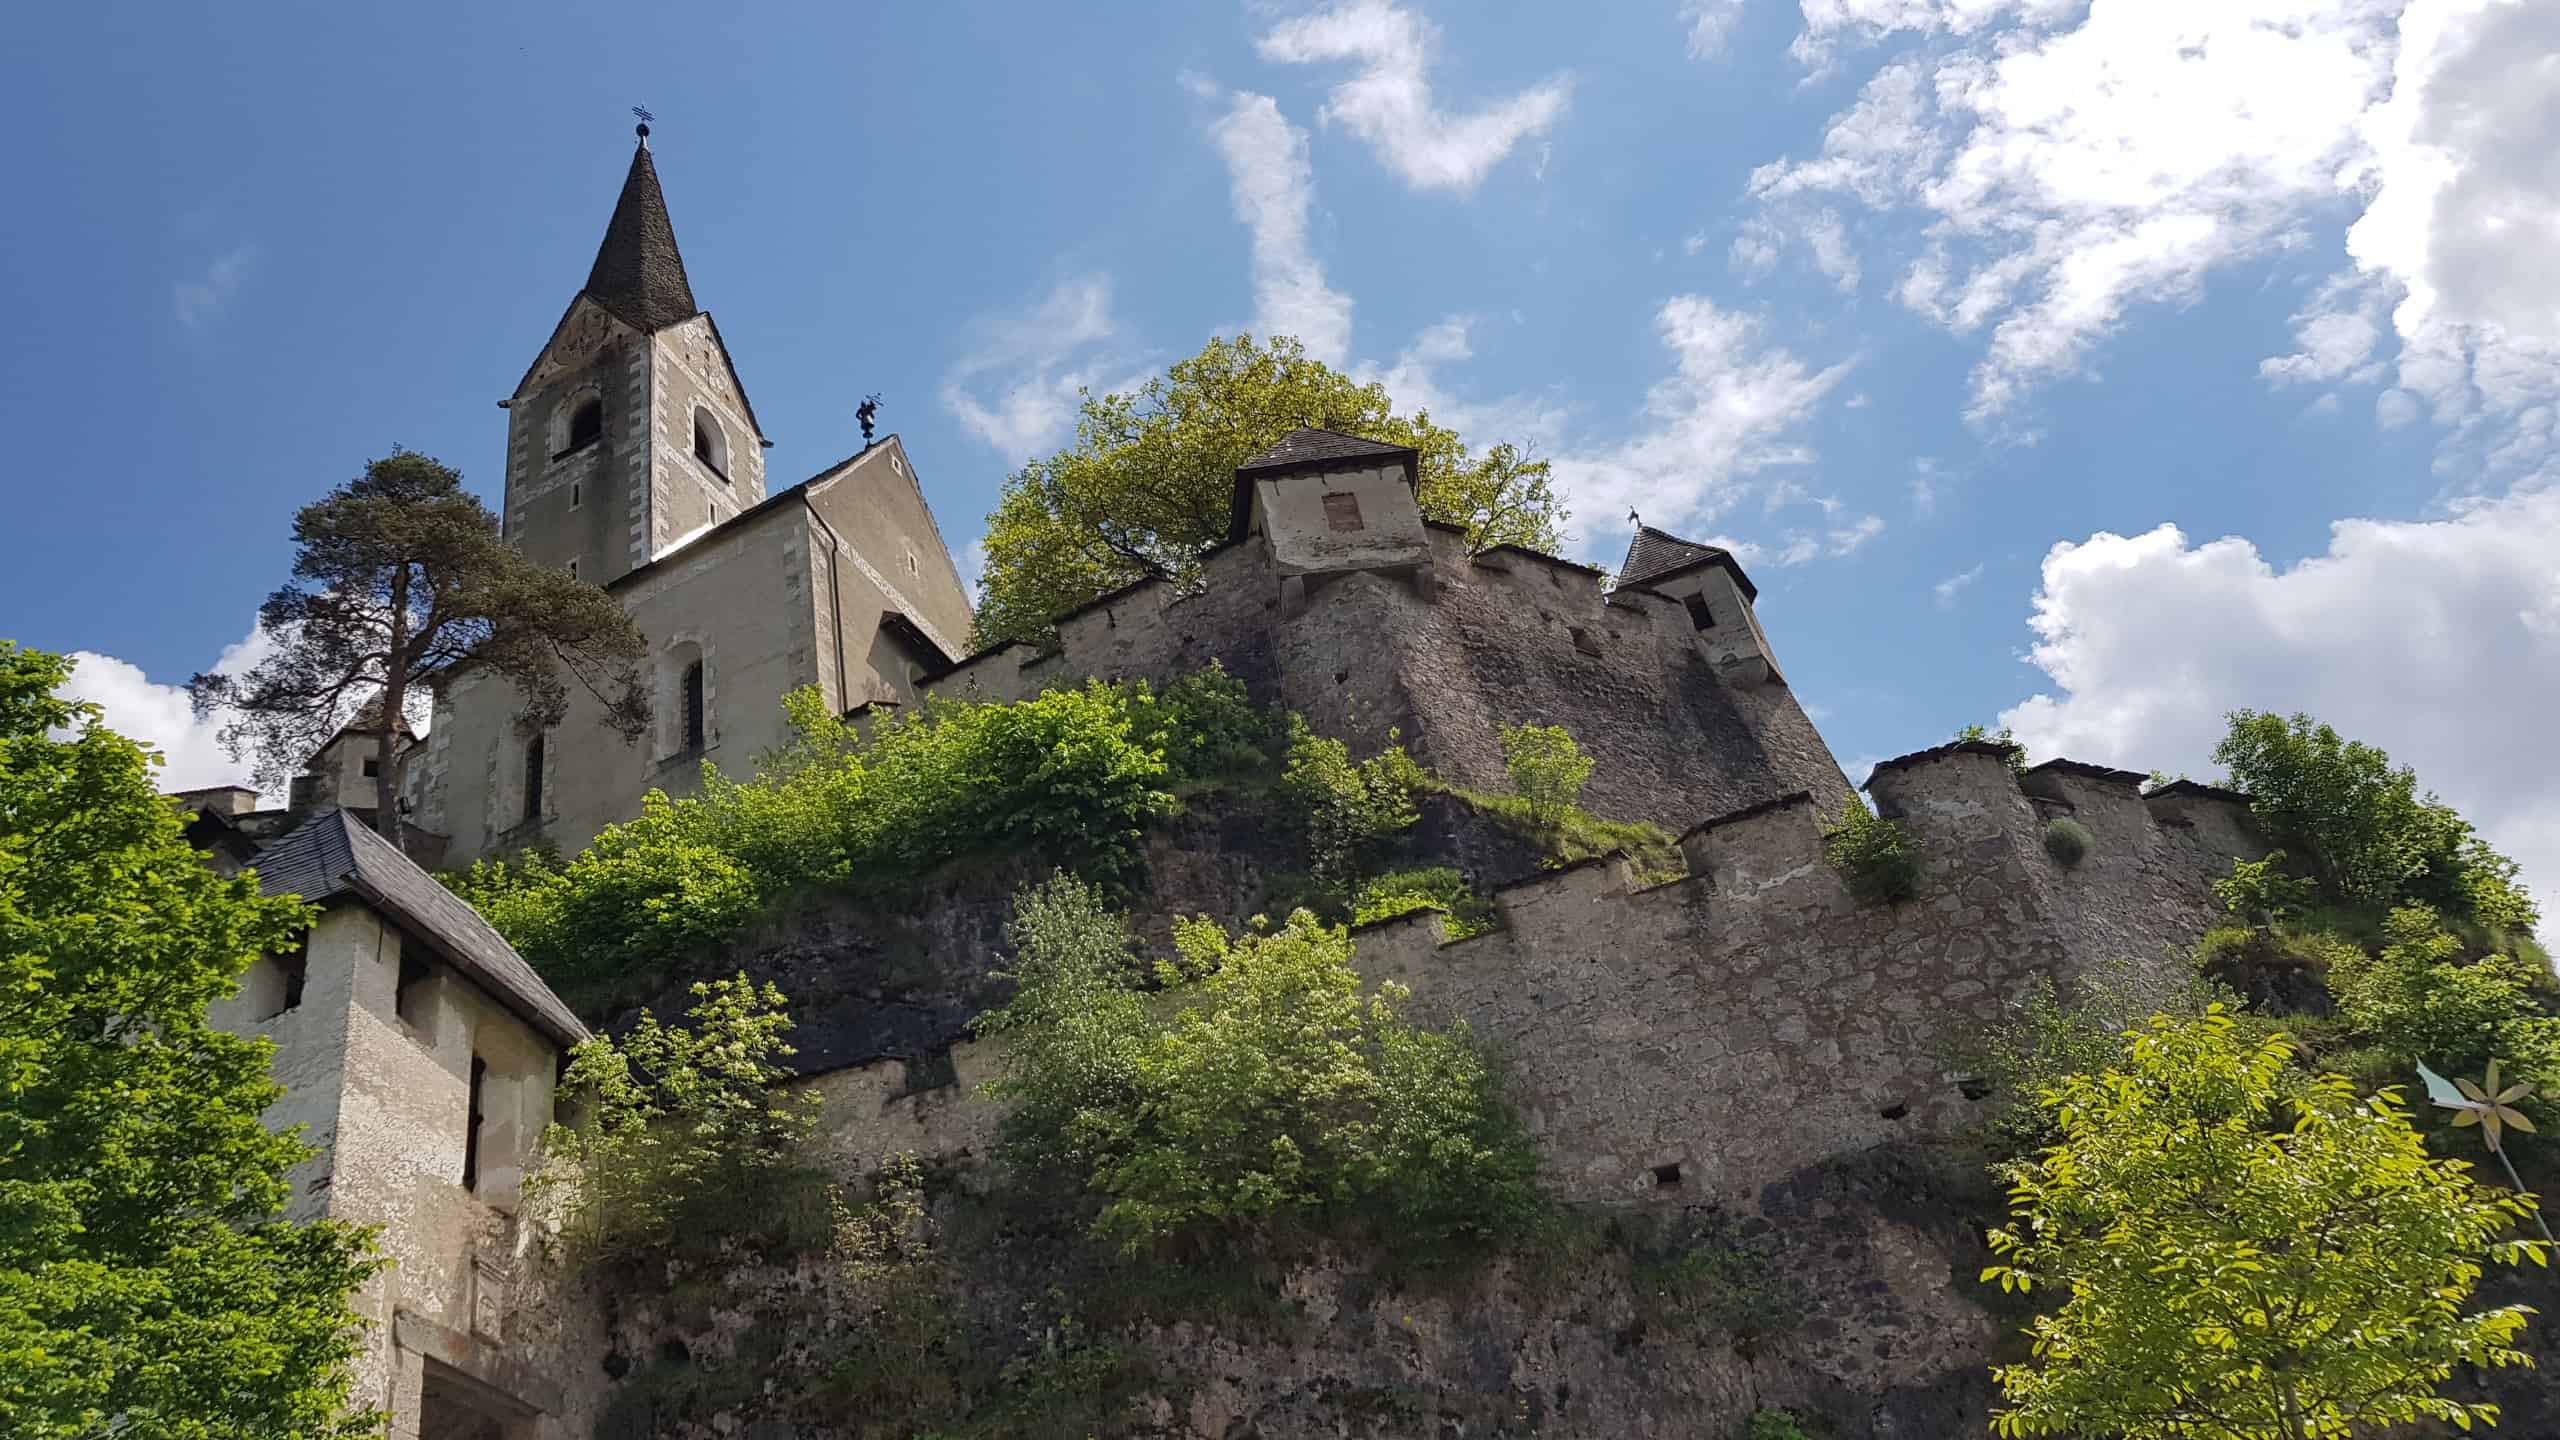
{"x": 630, "y": 435}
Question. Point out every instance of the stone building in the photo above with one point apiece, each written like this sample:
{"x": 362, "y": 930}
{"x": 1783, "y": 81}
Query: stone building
{"x": 635, "y": 460}
{"x": 419, "y": 1052}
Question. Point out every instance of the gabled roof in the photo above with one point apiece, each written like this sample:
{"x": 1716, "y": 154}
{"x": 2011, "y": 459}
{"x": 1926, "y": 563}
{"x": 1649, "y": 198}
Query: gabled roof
{"x": 1659, "y": 555}
{"x": 638, "y": 274}
{"x": 1309, "y": 450}
{"x": 332, "y": 855}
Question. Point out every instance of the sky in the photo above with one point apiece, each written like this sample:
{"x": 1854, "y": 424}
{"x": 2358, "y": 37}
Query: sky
{"x": 2089, "y": 366}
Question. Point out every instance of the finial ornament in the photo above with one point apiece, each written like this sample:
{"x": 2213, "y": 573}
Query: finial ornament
{"x": 867, "y": 412}
{"x": 642, "y": 129}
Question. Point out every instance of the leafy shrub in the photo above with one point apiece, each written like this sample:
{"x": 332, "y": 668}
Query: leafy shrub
{"x": 2012, "y": 752}
{"x": 2044, "y": 1035}
{"x": 1877, "y": 859}
{"x": 2262, "y": 892}
{"x": 1351, "y": 809}
{"x": 676, "y": 1137}
{"x": 1716, "y": 1285}
{"x": 1401, "y": 892}
{"x": 1574, "y": 834}
{"x": 2067, "y": 840}
{"x": 1547, "y": 769}
{"x": 1776, "y": 1425}
{"x": 2419, "y": 1000}
{"x": 1072, "y": 776}
{"x": 1263, "y": 1093}
{"x": 2370, "y": 837}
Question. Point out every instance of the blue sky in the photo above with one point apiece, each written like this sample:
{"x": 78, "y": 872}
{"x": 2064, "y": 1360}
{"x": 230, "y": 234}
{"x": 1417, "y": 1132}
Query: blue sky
{"x": 1898, "y": 296}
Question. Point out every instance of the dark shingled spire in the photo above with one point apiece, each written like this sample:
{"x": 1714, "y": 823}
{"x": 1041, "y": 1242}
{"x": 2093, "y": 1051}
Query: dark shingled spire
{"x": 638, "y": 275}
{"x": 1659, "y": 554}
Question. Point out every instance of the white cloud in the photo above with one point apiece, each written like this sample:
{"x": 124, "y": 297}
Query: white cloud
{"x": 1415, "y": 382}
{"x": 1710, "y": 24}
{"x": 1731, "y": 408}
{"x": 162, "y": 717}
{"x": 1273, "y": 186}
{"x": 1948, "y": 589}
{"x": 1389, "y": 101}
{"x": 2438, "y": 641}
{"x": 1018, "y": 387}
{"x": 973, "y": 565}
{"x": 202, "y": 300}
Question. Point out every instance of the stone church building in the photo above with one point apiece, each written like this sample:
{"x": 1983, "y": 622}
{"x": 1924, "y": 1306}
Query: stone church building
{"x": 635, "y": 461}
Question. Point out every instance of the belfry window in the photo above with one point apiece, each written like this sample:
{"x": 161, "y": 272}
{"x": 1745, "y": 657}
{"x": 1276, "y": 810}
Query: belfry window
{"x": 1699, "y": 615}
{"x": 692, "y": 701}
{"x": 586, "y": 423}
{"x": 710, "y": 443}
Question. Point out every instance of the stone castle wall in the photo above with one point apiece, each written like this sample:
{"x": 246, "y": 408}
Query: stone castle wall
{"x": 1698, "y": 1040}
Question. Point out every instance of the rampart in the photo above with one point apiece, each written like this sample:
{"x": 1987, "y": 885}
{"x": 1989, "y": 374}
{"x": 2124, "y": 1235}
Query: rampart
{"x": 1502, "y": 637}
{"x": 1701, "y": 1039}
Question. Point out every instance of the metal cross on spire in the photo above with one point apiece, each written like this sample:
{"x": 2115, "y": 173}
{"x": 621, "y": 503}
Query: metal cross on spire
{"x": 643, "y": 126}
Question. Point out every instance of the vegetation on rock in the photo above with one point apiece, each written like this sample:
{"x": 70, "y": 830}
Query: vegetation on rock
{"x": 1436, "y": 887}
{"x": 1260, "y": 1094}
{"x": 401, "y": 574}
{"x": 1148, "y": 485}
{"x": 2067, "y": 841}
{"x": 1547, "y": 769}
{"x": 148, "y": 1286}
{"x": 2241, "y": 1253}
{"x": 1877, "y": 858}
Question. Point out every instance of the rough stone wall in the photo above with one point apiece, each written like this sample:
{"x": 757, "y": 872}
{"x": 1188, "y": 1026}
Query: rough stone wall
{"x": 688, "y": 370}
{"x": 589, "y": 506}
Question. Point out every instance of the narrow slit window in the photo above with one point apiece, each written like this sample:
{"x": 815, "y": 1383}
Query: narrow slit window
{"x": 1342, "y": 512}
{"x": 408, "y": 1000}
{"x": 533, "y": 749}
{"x": 1699, "y": 615}
{"x": 471, "y": 1136}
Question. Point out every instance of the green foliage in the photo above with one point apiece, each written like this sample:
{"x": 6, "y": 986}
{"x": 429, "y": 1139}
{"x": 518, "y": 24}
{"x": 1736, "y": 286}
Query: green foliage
{"x": 1352, "y": 810}
{"x": 2067, "y": 840}
{"x": 1877, "y": 859}
{"x": 1071, "y": 776}
{"x": 1716, "y": 1285}
{"x": 2222, "y": 1273}
{"x": 1547, "y": 769}
{"x": 1401, "y": 892}
{"x": 1149, "y": 482}
{"x": 1576, "y": 835}
{"x": 2262, "y": 892}
{"x": 1776, "y": 1425}
{"x": 148, "y": 1287}
{"x": 1263, "y": 1093}
{"x": 2370, "y": 837}
{"x": 400, "y": 573}
{"x": 2417, "y": 1000}
{"x": 2042, "y": 1037}
{"x": 2014, "y": 753}
{"x": 678, "y": 1142}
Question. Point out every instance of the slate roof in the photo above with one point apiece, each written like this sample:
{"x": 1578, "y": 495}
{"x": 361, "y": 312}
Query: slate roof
{"x": 1658, "y": 554}
{"x": 1306, "y": 450}
{"x": 332, "y": 855}
{"x": 638, "y": 274}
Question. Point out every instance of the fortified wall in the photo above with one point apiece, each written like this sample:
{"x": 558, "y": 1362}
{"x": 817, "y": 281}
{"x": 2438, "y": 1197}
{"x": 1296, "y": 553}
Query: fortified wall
{"x": 1697, "y": 1040}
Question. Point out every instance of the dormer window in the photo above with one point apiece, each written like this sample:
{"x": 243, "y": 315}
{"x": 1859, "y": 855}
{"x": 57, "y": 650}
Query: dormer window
{"x": 586, "y": 423}
{"x": 710, "y": 443}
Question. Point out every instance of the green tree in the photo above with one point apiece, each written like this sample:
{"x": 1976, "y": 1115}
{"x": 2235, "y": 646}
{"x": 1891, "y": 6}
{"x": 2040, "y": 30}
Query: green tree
{"x": 2373, "y": 839}
{"x": 677, "y": 1132}
{"x": 2227, "y": 1276}
{"x": 148, "y": 1287}
{"x": 1150, "y": 480}
{"x": 1547, "y": 769}
{"x": 398, "y": 575}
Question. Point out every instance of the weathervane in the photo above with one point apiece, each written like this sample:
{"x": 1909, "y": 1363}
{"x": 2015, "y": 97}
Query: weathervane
{"x": 643, "y": 126}
{"x": 2490, "y": 1108}
{"x": 867, "y": 412}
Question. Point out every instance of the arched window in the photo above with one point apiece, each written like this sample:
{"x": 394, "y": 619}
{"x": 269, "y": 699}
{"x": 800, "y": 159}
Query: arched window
{"x": 586, "y": 423}
{"x": 710, "y": 443}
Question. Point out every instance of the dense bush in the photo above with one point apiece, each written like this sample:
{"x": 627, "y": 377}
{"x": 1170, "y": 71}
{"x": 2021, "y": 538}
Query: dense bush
{"x": 676, "y": 1136}
{"x": 1352, "y": 809}
{"x": 1263, "y": 1094}
{"x": 2011, "y": 752}
{"x": 1877, "y": 859}
{"x": 2067, "y": 840}
{"x": 1401, "y": 892}
{"x": 2043, "y": 1035}
{"x": 1547, "y": 769}
{"x": 1072, "y": 776}
{"x": 2366, "y": 832}
{"x": 2417, "y": 999}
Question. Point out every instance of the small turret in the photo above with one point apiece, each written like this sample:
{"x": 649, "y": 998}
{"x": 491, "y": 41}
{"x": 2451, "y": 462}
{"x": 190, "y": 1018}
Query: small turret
{"x": 1709, "y": 583}
{"x": 1326, "y": 504}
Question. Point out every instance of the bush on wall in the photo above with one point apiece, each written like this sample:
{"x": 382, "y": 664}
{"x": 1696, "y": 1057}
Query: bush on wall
{"x": 1877, "y": 858}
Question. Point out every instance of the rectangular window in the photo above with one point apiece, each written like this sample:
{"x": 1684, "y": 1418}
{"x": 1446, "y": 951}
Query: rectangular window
{"x": 533, "y": 779}
{"x": 471, "y": 1136}
{"x": 291, "y": 968}
{"x": 409, "y": 1000}
{"x": 693, "y": 706}
{"x": 573, "y": 569}
{"x": 372, "y": 767}
{"x": 1699, "y": 615}
{"x": 1342, "y": 512}
{"x": 574, "y": 494}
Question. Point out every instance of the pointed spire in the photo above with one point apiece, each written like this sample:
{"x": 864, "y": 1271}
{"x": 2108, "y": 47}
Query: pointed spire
{"x": 638, "y": 274}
